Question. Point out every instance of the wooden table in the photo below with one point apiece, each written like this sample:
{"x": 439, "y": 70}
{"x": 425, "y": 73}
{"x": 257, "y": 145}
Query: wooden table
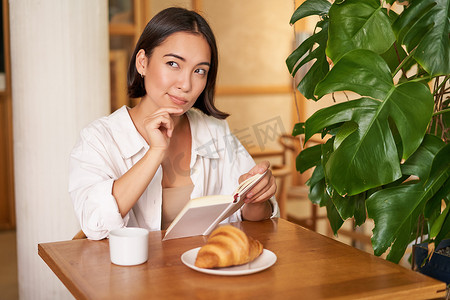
{"x": 309, "y": 266}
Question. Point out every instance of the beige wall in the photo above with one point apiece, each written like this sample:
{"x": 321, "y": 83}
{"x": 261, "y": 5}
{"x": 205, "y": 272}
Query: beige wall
{"x": 254, "y": 38}
{"x": 257, "y": 120}
{"x": 158, "y": 5}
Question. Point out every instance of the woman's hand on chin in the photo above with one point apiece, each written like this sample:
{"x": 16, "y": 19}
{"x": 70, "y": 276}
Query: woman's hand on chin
{"x": 159, "y": 127}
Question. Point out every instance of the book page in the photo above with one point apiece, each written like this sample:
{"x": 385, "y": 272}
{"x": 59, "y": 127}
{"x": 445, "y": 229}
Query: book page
{"x": 247, "y": 185}
{"x": 195, "y": 221}
{"x": 200, "y": 215}
{"x": 208, "y": 200}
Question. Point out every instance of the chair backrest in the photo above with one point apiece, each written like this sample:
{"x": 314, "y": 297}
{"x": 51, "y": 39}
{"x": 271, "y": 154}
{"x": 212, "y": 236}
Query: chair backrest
{"x": 80, "y": 235}
{"x": 292, "y": 146}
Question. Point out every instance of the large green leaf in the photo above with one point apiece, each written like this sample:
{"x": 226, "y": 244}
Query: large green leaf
{"x": 425, "y": 25}
{"x": 361, "y": 71}
{"x": 308, "y": 158}
{"x": 439, "y": 176}
{"x": 419, "y": 163}
{"x": 441, "y": 162}
{"x": 437, "y": 224}
{"x": 334, "y": 217}
{"x": 319, "y": 68}
{"x": 408, "y": 233}
{"x": 431, "y": 159}
{"x": 433, "y": 207}
{"x": 318, "y": 195}
{"x": 299, "y": 128}
{"x": 367, "y": 158}
{"x": 344, "y": 131}
{"x": 443, "y": 193}
{"x": 317, "y": 187}
{"x": 358, "y": 24}
{"x": 310, "y": 8}
{"x": 395, "y": 211}
{"x": 353, "y": 171}
{"x": 344, "y": 205}
{"x": 351, "y": 206}
{"x": 337, "y": 114}
{"x": 360, "y": 209}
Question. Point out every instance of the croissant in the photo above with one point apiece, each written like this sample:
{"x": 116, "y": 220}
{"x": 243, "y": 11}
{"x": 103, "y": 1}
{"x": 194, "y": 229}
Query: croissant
{"x": 227, "y": 246}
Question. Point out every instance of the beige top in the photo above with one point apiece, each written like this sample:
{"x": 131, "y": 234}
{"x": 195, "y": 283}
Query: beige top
{"x": 173, "y": 201}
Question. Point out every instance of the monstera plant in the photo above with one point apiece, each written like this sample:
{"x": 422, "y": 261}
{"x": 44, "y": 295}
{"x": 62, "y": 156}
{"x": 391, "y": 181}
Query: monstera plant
{"x": 387, "y": 157}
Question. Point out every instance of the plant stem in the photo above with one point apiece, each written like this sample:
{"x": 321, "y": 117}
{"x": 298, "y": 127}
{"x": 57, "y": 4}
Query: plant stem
{"x": 441, "y": 112}
{"x": 402, "y": 63}
{"x": 400, "y": 67}
{"x": 418, "y": 79}
{"x": 294, "y": 87}
{"x": 439, "y": 88}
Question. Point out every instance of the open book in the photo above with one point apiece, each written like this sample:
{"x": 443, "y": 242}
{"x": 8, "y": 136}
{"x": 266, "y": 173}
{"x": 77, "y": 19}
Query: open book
{"x": 201, "y": 215}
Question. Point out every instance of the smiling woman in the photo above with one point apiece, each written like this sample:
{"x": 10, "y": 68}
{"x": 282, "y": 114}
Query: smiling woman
{"x": 139, "y": 166}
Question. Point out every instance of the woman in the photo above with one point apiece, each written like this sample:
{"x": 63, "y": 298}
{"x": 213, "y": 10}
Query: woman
{"x": 139, "y": 166}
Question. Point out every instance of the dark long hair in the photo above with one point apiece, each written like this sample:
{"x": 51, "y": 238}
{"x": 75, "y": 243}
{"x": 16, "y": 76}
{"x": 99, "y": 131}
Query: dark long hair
{"x": 162, "y": 25}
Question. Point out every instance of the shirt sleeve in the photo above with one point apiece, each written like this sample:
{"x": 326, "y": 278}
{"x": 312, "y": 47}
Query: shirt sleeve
{"x": 91, "y": 178}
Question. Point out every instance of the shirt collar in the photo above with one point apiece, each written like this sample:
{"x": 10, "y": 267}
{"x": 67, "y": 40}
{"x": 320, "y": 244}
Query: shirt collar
{"x": 125, "y": 133}
{"x": 203, "y": 142}
{"x": 131, "y": 142}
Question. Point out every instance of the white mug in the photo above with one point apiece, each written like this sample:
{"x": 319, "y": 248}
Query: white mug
{"x": 128, "y": 246}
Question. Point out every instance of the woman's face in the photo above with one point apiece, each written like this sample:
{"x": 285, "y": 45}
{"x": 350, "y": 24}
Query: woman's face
{"x": 177, "y": 70}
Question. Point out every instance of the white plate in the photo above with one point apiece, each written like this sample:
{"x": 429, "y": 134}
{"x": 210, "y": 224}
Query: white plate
{"x": 262, "y": 262}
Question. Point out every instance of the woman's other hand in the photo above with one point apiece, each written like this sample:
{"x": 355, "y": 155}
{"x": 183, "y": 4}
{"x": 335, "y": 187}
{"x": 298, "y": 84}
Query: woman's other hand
{"x": 257, "y": 207}
{"x": 267, "y": 186}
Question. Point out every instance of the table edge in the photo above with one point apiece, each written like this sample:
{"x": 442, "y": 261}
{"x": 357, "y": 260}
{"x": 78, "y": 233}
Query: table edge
{"x": 51, "y": 263}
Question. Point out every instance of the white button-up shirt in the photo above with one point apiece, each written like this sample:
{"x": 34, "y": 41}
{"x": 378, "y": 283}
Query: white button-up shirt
{"x": 110, "y": 146}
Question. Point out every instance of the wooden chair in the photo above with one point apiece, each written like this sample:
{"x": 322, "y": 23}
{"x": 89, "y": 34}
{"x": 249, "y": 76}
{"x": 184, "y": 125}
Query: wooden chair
{"x": 298, "y": 190}
{"x": 80, "y": 235}
{"x": 280, "y": 171}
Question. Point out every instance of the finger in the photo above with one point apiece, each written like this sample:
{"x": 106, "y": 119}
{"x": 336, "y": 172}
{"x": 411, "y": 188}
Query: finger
{"x": 159, "y": 113}
{"x": 170, "y": 110}
{"x": 156, "y": 122}
{"x": 168, "y": 125}
{"x": 244, "y": 177}
{"x": 259, "y": 168}
{"x": 163, "y": 123}
{"x": 263, "y": 196}
{"x": 262, "y": 186}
